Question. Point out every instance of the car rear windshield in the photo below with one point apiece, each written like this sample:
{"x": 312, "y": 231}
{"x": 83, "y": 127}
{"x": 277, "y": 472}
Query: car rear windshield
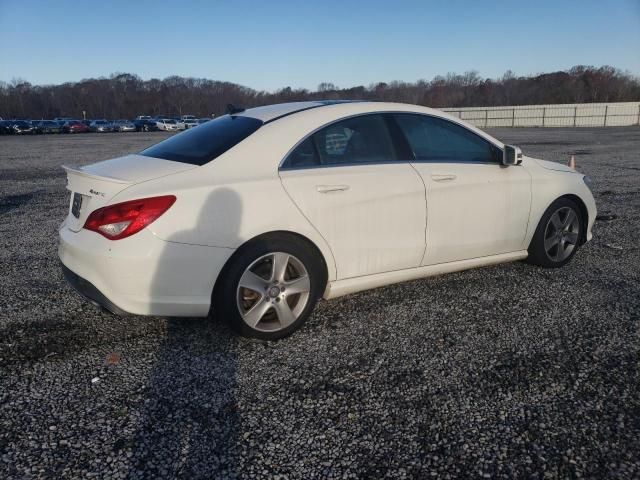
{"x": 201, "y": 145}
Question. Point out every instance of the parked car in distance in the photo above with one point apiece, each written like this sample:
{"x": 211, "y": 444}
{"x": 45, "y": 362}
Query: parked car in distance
{"x": 145, "y": 125}
{"x": 187, "y": 123}
{"x": 143, "y": 117}
{"x": 5, "y": 127}
{"x": 123, "y": 126}
{"x": 256, "y": 215}
{"x": 101, "y": 126}
{"x": 23, "y": 127}
{"x": 49, "y": 126}
{"x": 167, "y": 124}
{"x": 74, "y": 126}
{"x": 188, "y": 117}
{"x": 36, "y": 125}
{"x": 203, "y": 120}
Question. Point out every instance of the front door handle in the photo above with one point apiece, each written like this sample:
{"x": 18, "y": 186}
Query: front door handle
{"x": 331, "y": 188}
{"x": 443, "y": 177}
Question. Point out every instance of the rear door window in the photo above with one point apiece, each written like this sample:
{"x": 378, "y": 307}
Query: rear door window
{"x": 361, "y": 139}
{"x": 200, "y": 145}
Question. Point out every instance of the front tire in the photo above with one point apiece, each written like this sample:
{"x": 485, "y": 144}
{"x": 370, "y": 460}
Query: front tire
{"x": 270, "y": 287}
{"x": 557, "y": 237}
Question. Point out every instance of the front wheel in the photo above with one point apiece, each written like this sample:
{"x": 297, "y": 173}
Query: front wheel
{"x": 270, "y": 287}
{"x": 558, "y": 235}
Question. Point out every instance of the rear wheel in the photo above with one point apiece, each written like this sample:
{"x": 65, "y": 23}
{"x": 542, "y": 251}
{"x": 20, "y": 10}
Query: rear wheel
{"x": 270, "y": 287}
{"x": 558, "y": 235}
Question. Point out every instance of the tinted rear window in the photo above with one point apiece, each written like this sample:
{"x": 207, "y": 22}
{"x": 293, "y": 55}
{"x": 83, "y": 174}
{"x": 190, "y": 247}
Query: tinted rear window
{"x": 210, "y": 140}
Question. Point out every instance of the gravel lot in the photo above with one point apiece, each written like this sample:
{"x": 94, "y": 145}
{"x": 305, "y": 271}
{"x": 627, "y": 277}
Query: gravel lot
{"x": 507, "y": 371}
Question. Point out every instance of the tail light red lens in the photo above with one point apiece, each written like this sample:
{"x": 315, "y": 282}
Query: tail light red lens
{"x": 124, "y": 219}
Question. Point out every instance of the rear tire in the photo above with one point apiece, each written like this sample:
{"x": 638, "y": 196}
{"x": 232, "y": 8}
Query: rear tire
{"x": 557, "y": 237}
{"x": 269, "y": 287}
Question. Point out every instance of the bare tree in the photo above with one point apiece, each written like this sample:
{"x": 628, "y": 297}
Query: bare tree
{"x": 124, "y": 95}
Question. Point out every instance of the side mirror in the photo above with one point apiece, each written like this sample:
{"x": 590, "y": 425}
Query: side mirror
{"x": 512, "y": 155}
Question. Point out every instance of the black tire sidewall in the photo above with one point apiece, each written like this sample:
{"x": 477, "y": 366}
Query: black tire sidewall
{"x": 537, "y": 252}
{"x": 224, "y": 297}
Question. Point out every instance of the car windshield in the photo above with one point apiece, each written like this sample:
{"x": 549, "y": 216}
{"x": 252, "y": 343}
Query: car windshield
{"x": 21, "y": 123}
{"x": 169, "y": 121}
{"x": 201, "y": 145}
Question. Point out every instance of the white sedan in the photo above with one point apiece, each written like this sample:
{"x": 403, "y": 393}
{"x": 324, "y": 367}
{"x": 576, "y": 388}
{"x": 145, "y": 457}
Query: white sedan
{"x": 257, "y": 214}
{"x": 168, "y": 125}
{"x": 187, "y": 123}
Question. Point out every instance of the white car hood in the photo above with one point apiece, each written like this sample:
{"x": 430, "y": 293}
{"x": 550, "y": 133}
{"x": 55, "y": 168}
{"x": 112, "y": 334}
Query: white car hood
{"x": 558, "y": 167}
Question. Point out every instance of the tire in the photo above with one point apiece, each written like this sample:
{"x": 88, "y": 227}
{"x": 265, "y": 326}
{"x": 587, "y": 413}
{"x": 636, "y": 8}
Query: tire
{"x": 558, "y": 235}
{"x": 268, "y": 310}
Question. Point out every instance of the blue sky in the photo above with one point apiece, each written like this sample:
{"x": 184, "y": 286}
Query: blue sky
{"x": 272, "y": 44}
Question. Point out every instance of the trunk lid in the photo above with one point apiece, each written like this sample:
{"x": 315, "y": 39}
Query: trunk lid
{"x": 93, "y": 186}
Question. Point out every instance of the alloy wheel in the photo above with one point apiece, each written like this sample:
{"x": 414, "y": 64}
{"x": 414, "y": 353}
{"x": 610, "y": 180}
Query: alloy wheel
{"x": 561, "y": 234}
{"x": 273, "y": 292}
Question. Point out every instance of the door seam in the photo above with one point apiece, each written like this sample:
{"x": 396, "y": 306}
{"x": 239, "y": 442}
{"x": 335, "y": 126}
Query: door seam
{"x": 426, "y": 214}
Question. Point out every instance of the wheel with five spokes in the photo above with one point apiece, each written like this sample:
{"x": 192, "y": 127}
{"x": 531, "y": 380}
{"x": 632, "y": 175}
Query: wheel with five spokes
{"x": 558, "y": 235}
{"x": 270, "y": 287}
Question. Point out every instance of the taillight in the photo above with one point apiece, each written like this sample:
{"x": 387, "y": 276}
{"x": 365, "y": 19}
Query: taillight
{"x": 124, "y": 219}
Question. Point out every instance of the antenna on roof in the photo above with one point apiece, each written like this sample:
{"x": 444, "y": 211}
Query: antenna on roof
{"x": 231, "y": 109}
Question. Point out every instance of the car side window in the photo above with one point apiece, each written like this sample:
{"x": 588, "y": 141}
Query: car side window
{"x": 304, "y": 155}
{"x": 435, "y": 139}
{"x": 361, "y": 139}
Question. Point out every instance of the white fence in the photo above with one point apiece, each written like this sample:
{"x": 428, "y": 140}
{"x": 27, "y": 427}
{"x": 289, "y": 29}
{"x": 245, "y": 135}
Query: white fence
{"x": 566, "y": 115}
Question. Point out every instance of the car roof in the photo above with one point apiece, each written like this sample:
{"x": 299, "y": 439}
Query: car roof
{"x": 310, "y": 117}
{"x": 269, "y": 113}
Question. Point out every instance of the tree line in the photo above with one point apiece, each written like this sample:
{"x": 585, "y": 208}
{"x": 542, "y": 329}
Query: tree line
{"x": 124, "y": 95}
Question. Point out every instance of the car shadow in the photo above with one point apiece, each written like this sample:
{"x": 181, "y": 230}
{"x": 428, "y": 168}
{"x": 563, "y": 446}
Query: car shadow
{"x": 189, "y": 420}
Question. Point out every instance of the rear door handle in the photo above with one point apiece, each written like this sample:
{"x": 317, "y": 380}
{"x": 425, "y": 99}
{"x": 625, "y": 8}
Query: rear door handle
{"x": 331, "y": 188}
{"x": 443, "y": 177}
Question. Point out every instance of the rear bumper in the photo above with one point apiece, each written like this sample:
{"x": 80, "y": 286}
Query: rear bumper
{"x": 141, "y": 274}
{"x": 88, "y": 291}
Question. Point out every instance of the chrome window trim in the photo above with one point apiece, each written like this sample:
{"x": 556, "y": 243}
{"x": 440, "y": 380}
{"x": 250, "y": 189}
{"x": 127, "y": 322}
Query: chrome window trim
{"x": 340, "y": 165}
{"x": 391, "y": 112}
{"x": 389, "y": 162}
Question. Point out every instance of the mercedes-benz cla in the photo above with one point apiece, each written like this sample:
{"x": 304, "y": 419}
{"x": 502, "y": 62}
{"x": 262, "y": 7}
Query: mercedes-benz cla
{"x": 257, "y": 214}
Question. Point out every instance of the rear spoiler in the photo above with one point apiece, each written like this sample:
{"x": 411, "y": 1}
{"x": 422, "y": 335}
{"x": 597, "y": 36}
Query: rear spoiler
{"x": 79, "y": 171}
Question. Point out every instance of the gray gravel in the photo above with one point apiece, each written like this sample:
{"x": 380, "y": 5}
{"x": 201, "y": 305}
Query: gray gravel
{"x": 507, "y": 371}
